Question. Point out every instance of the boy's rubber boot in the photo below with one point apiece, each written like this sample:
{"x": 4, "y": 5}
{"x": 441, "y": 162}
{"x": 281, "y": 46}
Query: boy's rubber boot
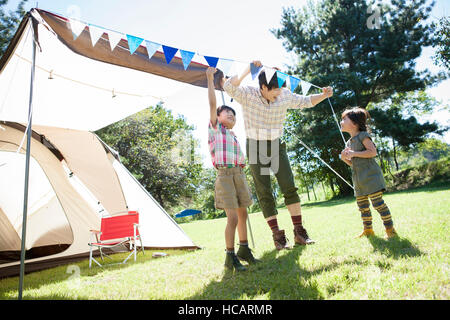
{"x": 280, "y": 241}
{"x": 232, "y": 262}
{"x": 245, "y": 254}
{"x": 301, "y": 236}
{"x": 367, "y": 233}
{"x": 391, "y": 233}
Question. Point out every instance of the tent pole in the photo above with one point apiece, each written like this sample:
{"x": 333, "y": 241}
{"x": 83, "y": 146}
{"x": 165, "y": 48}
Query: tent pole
{"x": 27, "y": 167}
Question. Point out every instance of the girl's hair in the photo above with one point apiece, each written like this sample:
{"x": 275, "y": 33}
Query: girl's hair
{"x": 358, "y": 116}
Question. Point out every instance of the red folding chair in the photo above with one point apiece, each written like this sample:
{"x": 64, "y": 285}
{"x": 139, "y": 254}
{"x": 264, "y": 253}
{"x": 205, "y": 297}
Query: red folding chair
{"x": 116, "y": 231}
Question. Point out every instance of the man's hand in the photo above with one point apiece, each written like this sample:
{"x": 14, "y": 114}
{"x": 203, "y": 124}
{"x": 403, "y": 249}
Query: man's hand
{"x": 327, "y": 91}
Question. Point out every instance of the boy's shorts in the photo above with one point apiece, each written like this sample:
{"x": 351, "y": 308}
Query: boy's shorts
{"x": 231, "y": 189}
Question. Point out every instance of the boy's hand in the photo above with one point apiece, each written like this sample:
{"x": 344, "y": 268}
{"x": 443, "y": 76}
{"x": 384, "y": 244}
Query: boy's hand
{"x": 210, "y": 73}
{"x": 327, "y": 91}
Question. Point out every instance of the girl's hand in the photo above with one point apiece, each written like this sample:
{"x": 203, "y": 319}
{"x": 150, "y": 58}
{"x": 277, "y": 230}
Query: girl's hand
{"x": 327, "y": 91}
{"x": 349, "y": 153}
{"x": 257, "y": 63}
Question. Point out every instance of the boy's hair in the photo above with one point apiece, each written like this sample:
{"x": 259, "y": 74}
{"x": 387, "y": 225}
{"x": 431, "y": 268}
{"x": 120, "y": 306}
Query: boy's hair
{"x": 358, "y": 116}
{"x": 224, "y": 107}
{"x": 273, "y": 83}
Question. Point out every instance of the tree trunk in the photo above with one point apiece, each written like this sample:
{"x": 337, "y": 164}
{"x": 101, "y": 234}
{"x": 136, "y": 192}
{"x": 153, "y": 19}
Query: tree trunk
{"x": 395, "y": 154}
{"x": 314, "y": 192}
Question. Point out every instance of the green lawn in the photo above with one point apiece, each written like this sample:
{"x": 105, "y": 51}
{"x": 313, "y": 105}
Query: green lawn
{"x": 338, "y": 266}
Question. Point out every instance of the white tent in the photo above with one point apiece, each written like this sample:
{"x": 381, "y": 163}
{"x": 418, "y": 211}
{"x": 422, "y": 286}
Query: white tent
{"x": 78, "y": 88}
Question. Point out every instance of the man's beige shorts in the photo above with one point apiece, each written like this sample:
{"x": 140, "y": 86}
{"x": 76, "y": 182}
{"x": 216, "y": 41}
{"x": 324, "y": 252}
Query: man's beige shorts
{"x": 231, "y": 189}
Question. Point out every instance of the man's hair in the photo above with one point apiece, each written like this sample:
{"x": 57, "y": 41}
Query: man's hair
{"x": 273, "y": 83}
{"x": 224, "y": 107}
{"x": 358, "y": 116}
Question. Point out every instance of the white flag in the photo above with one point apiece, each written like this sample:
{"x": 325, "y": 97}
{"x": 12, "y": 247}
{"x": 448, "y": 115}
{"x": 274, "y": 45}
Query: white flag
{"x": 114, "y": 39}
{"x": 96, "y": 33}
{"x": 305, "y": 87}
{"x": 269, "y": 73}
{"x": 77, "y": 27}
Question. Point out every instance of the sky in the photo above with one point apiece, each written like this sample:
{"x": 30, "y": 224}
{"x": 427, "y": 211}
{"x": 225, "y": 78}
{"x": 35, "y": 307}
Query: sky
{"x": 237, "y": 30}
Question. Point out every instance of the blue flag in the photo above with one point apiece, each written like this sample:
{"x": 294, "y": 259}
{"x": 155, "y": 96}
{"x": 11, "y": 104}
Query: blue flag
{"x": 212, "y": 61}
{"x": 254, "y": 70}
{"x": 133, "y": 43}
{"x": 169, "y": 52}
{"x": 281, "y": 78}
{"x": 186, "y": 57}
{"x": 294, "y": 82}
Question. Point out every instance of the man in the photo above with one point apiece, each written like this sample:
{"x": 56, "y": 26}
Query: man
{"x": 264, "y": 111}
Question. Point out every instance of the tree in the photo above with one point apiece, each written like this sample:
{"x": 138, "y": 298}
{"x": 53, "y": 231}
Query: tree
{"x": 442, "y": 56}
{"x": 336, "y": 46}
{"x": 159, "y": 150}
{"x": 9, "y": 23}
{"x": 394, "y": 118}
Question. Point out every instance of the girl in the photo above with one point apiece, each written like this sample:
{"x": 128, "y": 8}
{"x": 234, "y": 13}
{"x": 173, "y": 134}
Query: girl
{"x": 367, "y": 177}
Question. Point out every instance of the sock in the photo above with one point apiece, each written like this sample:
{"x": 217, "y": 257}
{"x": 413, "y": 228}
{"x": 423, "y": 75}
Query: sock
{"x": 297, "y": 221}
{"x": 230, "y": 250}
{"x": 243, "y": 243}
{"x": 273, "y": 224}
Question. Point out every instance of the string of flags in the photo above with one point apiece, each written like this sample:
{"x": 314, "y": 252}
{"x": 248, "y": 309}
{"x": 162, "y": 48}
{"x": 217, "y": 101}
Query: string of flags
{"x": 225, "y": 65}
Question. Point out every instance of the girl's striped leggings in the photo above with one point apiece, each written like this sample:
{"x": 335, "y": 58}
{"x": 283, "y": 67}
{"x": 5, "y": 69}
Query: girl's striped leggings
{"x": 379, "y": 205}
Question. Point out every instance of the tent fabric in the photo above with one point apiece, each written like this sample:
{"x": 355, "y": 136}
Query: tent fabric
{"x": 86, "y": 158}
{"x": 59, "y": 215}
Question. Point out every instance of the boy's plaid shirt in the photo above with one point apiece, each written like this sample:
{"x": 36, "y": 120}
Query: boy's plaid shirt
{"x": 263, "y": 120}
{"x": 224, "y": 147}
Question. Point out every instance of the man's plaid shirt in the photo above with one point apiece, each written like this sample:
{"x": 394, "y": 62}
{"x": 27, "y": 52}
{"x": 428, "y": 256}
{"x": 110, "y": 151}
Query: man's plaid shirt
{"x": 264, "y": 120}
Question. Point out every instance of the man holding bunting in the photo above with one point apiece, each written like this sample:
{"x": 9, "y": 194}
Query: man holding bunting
{"x": 264, "y": 111}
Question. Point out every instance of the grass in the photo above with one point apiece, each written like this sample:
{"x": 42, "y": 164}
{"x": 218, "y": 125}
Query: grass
{"x": 338, "y": 266}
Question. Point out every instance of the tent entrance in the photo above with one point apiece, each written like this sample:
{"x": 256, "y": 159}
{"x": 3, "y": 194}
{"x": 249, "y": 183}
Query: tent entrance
{"x": 48, "y": 230}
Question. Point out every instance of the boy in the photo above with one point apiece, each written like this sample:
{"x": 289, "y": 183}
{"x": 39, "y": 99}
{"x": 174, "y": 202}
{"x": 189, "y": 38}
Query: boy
{"x": 264, "y": 110}
{"x": 232, "y": 193}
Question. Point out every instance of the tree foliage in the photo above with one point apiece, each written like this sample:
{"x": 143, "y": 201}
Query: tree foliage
{"x": 335, "y": 46}
{"x": 159, "y": 150}
{"x": 9, "y": 21}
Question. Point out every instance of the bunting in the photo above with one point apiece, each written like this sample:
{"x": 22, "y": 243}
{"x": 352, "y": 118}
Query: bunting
{"x": 151, "y": 48}
{"x": 254, "y": 70}
{"x": 77, "y": 27}
{"x": 169, "y": 53}
{"x": 134, "y": 43}
{"x": 186, "y": 57}
{"x": 95, "y": 33}
{"x": 305, "y": 87}
{"x": 114, "y": 39}
{"x": 212, "y": 61}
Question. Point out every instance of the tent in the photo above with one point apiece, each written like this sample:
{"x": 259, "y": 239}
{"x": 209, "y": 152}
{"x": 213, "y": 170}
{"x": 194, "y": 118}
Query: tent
{"x": 77, "y": 87}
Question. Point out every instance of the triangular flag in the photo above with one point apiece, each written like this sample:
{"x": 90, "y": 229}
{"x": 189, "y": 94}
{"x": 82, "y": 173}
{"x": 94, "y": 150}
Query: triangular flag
{"x": 305, "y": 87}
{"x": 269, "y": 73}
{"x": 96, "y": 33}
{"x": 225, "y": 65}
{"x": 151, "y": 48}
{"x": 294, "y": 83}
{"x": 281, "y": 78}
{"x": 212, "y": 61}
{"x": 114, "y": 39}
{"x": 77, "y": 27}
{"x": 186, "y": 57}
{"x": 254, "y": 70}
{"x": 169, "y": 52}
{"x": 133, "y": 43}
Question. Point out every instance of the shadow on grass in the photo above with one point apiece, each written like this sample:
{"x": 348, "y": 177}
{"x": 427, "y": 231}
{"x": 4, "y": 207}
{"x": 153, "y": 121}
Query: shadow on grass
{"x": 396, "y": 247}
{"x": 62, "y": 273}
{"x": 279, "y": 276}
